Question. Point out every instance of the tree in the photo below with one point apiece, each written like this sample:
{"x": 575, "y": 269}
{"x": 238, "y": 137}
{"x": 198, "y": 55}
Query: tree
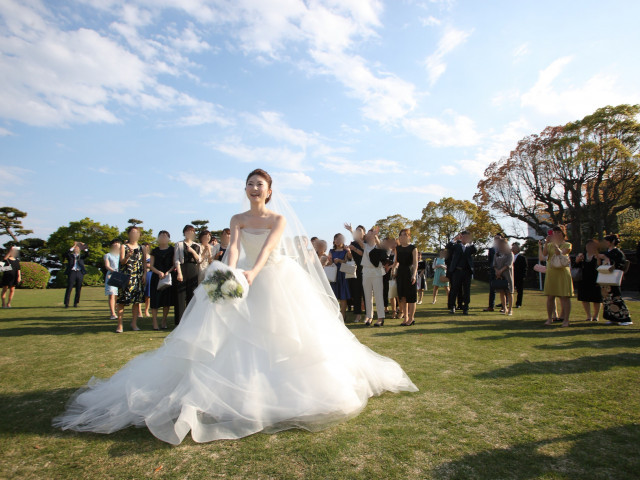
{"x": 95, "y": 235}
{"x": 629, "y": 221}
{"x": 11, "y": 223}
{"x": 391, "y": 225}
{"x": 201, "y": 226}
{"x": 442, "y": 221}
{"x": 581, "y": 174}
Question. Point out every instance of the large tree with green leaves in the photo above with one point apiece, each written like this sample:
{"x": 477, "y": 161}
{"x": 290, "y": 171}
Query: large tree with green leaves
{"x": 95, "y": 235}
{"x": 391, "y": 225}
{"x": 441, "y": 221}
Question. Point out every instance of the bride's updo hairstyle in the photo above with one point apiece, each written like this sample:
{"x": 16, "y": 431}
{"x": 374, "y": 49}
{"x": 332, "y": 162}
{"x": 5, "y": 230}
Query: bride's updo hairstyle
{"x": 261, "y": 173}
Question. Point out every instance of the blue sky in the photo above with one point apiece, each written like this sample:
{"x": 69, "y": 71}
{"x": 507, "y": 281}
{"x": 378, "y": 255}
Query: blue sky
{"x": 157, "y": 109}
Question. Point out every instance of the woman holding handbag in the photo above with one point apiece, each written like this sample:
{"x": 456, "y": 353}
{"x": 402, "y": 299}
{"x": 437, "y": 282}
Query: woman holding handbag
{"x": 132, "y": 263}
{"x": 558, "y": 281}
{"x": 162, "y": 279}
{"x": 440, "y": 274}
{"x": 338, "y": 255}
{"x": 503, "y": 283}
{"x": 615, "y": 310}
{"x": 589, "y": 292}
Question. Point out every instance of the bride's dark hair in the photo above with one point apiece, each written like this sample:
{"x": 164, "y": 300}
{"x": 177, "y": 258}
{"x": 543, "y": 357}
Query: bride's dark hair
{"x": 261, "y": 173}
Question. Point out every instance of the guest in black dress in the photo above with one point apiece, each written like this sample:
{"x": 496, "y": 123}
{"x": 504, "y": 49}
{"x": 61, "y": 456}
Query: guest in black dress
{"x": 406, "y": 266}
{"x": 355, "y": 284}
{"x": 389, "y": 245}
{"x": 10, "y": 278}
{"x": 589, "y": 292}
{"x": 161, "y": 265}
{"x": 615, "y": 310}
{"x": 186, "y": 259}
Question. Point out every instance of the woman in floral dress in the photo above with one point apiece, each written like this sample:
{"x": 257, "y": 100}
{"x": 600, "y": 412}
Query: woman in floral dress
{"x": 132, "y": 263}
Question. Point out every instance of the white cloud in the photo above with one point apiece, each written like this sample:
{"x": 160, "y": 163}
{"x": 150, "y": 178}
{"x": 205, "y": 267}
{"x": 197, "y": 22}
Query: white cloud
{"x": 430, "y": 21}
{"x": 363, "y": 167}
{"x": 5, "y": 133}
{"x": 433, "y": 190}
{"x": 451, "y": 39}
{"x": 549, "y": 96}
{"x": 291, "y": 180}
{"x": 229, "y": 190}
{"x": 460, "y": 131}
{"x": 109, "y": 207}
{"x": 449, "y": 170}
{"x": 273, "y": 125}
{"x": 521, "y": 50}
{"x": 10, "y": 175}
{"x": 56, "y": 77}
{"x": 280, "y": 156}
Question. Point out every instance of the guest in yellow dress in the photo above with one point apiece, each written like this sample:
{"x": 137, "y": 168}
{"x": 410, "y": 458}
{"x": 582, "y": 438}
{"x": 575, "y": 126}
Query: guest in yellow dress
{"x": 558, "y": 282}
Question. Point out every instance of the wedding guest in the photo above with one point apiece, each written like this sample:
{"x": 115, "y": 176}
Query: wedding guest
{"x": 321, "y": 251}
{"x": 503, "y": 268}
{"x": 439, "y": 271}
{"x": 589, "y": 292}
{"x": 355, "y": 284}
{"x": 313, "y": 242}
{"x": 221, "y": 248}
{"x": 162, "y": 266}
{"x": 206, "y": 253}
{"x": 372, "y": 273}
{"x": 558, "y": 281}
{"x": 461, "y": 268}
{"x": 389, "y": 244}
{"x": 147, "y": 286}
{"x": 186, "y": 259}
{"x": 111, "y": 264}
{"x": 543, "y": 259}
{"x": 338, "y": 255}
{"x": 615, "y": 309}
{"x": 519, "y": 272}
{"x": 11, "y": 278}
{"x": 406, "y": 266}
{"x": 132, "y": 263}
{"x": 491, "y": 253}
{"x": 75, "y": 272}
{"x": 421, "y": 280}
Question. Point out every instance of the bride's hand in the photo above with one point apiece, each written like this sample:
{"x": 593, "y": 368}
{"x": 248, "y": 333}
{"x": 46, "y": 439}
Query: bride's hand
{"x": 250, "y": 275}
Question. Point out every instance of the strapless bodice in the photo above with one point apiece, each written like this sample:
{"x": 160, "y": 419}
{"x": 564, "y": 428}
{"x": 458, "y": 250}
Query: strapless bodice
{"x": 252, "y": 240}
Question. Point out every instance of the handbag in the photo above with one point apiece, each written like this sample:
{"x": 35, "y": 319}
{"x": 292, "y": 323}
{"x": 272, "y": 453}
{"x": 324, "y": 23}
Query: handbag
{"x": 444, "y": 279}
{"x": 393, "y": 289}
{"x": 331, "y": 271}
{"x": 349, "y": 269}
{"x": 608, "y": 275}
{"x": 118, "y": 280}
{"x": 499, "y": 284}
{"x": 559, "y": 261}
{"x": 539, "y": 268}
{"x": 165, "y": 282}
{"x": 576, "y": 274}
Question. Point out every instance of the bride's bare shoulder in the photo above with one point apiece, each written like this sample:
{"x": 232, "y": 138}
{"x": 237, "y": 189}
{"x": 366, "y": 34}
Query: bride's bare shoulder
{"x": 276, "y": 218}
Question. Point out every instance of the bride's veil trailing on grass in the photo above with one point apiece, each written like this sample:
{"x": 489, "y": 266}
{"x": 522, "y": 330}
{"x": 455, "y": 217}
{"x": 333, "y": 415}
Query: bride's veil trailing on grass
{"x": 296, "y": 244}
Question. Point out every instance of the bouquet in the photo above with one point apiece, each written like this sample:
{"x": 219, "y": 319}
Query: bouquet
{"x": 222, "y": 284}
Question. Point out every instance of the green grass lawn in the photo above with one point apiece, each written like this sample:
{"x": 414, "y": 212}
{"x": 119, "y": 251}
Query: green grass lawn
{"x": 500, "y": 397}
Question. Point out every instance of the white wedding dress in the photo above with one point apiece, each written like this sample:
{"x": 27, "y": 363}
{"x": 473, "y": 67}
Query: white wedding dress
{"x": 279, "y": 359}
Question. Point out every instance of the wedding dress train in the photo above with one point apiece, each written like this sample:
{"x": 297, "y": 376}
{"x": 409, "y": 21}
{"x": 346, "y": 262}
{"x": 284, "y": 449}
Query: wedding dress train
{"x": 279, "y": 359}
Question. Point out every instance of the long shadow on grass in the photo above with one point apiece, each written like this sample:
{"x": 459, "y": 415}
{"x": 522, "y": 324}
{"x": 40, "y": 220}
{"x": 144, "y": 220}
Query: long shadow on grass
{"x": 595, "y": 363}
{"x": 557, "y": 331}
{"x": 622, "y": 342}
{"x": 461, "y": 326}
{"x": 32, "y": 413}
{"x": 599, "y": 454}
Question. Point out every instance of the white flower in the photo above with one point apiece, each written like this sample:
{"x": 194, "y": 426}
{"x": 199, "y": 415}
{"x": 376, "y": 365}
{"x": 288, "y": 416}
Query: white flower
{"x": 229, "y": 287}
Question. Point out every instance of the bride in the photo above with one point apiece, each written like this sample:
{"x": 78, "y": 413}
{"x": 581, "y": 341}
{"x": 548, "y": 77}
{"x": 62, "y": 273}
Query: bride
{"x": 280, "y": 358}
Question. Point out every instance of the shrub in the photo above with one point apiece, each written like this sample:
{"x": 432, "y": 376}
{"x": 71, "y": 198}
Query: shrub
{"x": 93, "y": 277}
{"x": 34, "y": 275}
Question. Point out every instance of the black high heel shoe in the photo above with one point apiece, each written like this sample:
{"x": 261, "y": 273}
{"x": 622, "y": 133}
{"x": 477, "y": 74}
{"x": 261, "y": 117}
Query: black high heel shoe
{"x": 368, "y": 322}
{"x": 379, "y": 323}
{"x": 409, "y": 324}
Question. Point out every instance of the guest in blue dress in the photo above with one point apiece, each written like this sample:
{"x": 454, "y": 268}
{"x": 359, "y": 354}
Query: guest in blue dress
{"x": 338, "y": 255}
{"x": 439, "y": 270}
{"x": 111, "y": 264}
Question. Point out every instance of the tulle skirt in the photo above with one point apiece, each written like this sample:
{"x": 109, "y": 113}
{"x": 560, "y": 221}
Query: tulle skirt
{"x": 282, "y": 358}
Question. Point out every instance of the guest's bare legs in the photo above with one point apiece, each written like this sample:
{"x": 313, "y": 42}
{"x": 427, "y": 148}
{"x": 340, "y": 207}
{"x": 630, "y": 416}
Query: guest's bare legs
{"x": 120, "y": 315}
{"x": 154, "y": 318}
{"x": 135, "y": 313}
{"x": 435, "y": 293}
{"x": 411, "y": 312}
{"x": 147, "y": 303}
{"x": 343, "y": 310}
{"x": 112, "y": 304}
{"x": 596, "y": 312}
{"x": 509, "y": 298}
{"x": 566, "y": 310}
{"x": 165, "y": 314}
{"x": 587, "y": 309}
{"x": 551, "y": 309}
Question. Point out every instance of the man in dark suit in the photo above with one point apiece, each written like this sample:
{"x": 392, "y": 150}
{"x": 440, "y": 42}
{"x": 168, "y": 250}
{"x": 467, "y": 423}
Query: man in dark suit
{"x": 519, "y": 272}
{"x": 75, "y": 271}
{"x": 461, "y": 271}
{"x": 492, "y": 272}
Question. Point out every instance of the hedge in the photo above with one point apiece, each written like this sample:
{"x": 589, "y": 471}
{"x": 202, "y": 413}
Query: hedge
{"x": 33, "y": 275}
{"x": 93, "y": 277}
